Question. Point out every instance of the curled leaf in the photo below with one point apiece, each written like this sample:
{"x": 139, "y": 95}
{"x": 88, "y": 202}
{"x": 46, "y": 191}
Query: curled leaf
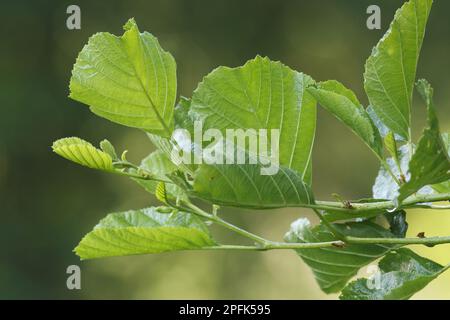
{"x": 107, "y": 147}
{"x": 83, "y": 153}
{"x": 161, "y": 193}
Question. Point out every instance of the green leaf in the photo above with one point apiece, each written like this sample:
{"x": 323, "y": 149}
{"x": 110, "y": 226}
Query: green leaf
{"x": 262, "y": 94}
{"x": 107, "y": 147}
{"x": 402, "y": 274}
{"x": 382, "y": 129}
{"x": 166, "y": 146}
{"x": 391, "y": 147}
{"x": 161, "y": 167}
{"x": 391, "y": 69}
{"x": 244, "y": 186}
{"x": 430, "y": 163}
{"x": 129, "y": 80}
{"x": 181, "y": 115}
{"x": 144, "y": 231}
{"x": 344, "y": 105}
{"x": 83, "y": 153}
{"x": 443, "y": 187}
{"x": 334, "y": 267}
{"x": 161, "y": 193}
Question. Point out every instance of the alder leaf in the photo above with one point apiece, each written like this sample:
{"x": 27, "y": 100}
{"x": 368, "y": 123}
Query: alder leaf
{"x": 382, "y": 129}
{"x": 107, "y": 147}
{"x": 265, "y": 95}
{"x": 244, "y": 186}
{"x": 262, "y": 94}
{"x": 391, "y": 69}
{"x": 344, "y": 105}
{"x": 391, "y": 147}
{"x": 83, "y": 153}
{"x": 129, "y": 80}
{"x": 161, "y": 193}
{"x": 402, "y": 274}
{"x": 144, "y": 231}
{"x": 430, "y": 163}
{"x": 334, "y": 267}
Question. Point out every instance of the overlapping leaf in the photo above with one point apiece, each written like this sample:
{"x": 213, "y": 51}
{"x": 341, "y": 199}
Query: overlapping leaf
{"x": 430, "y": 163}
{"x": 391, "y": 69}
{"x": 391, "y": 147}
{"x": 344, "y": 105}
{"x": 166, "y": 146}
{"x": 262, "y": 94}
{"x": 129, "y": 80}
{"x": 83, "y": 153}
{"x": 244, "y": 186}
{"x": 402, "y": 274}
{"x": 108, "y": 148}
{"x": 144, "y": 231}
{"x": 382, "y": 129}
{"x": 334, "y": 267}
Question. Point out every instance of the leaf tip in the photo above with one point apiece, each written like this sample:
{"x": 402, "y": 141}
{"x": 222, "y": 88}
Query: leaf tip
{"x": 130, "y": 24}
{"x": 78, "y": 252}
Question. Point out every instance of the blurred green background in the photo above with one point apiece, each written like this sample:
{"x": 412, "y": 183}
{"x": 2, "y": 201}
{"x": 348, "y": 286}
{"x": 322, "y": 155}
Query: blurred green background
{"x": 47, "y": 203}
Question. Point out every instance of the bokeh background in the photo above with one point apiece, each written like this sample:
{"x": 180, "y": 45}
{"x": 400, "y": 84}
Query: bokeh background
{"x": 47, "y": 203}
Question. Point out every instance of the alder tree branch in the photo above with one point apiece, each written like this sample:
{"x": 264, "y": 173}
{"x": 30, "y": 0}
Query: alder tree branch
{"x": 342, "y": 240}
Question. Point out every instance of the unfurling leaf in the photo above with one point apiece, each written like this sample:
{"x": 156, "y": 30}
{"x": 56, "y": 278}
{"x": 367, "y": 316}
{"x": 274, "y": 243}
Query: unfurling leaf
{"x": 344, "y": 105}
{"x": 391, "y": 69}
{"x": 161, "y": 193}
{"x": 334, "y": 267}
{"x": 144, "y": 231}
{"x": 130, "y": 80}
{"x": 107, "y": 147}
{"x": 430, "y": 163}
{"x": 402, "y": 274}
{"x": 391, "y": 147}
{"x": 83, "y": 153}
